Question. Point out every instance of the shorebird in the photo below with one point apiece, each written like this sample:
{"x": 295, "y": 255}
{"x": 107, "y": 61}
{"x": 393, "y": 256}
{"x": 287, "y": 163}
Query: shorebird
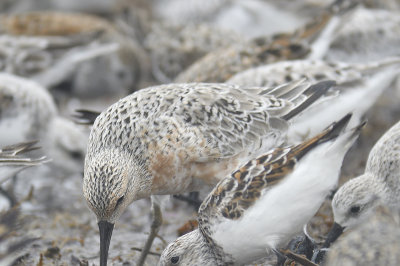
{"x": 170, "y": 56}
{"x": 355, "y": 200}
{"x": 86, "y": 50}
{"x": 28, "y": 111}
{"x": 375, "y": 242}
{"x": 359, "y": 85}
{"x": 366, "y": 35}
{"x": 264, "y": 202}
{"x": 310, "y": 41}
{"x": 178, "y": 138}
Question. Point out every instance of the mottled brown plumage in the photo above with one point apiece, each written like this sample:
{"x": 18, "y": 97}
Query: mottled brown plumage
{"x": 177, "y": 138}
{"x": 222, "y": 64}
{"x": 232, "y": 197}
{"x": 52, "y": 24}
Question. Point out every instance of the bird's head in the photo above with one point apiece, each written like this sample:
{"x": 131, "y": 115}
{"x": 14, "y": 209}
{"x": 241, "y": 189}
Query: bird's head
{"x": 112, "y": 180}
{"x": 189, "y": 249}
{"x": 355, "y": 200}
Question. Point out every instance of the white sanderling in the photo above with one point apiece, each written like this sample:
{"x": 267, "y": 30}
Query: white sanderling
{"x": 178, "y": 138}
{"x": 359, "y": 87}
{"x": 375, "y": 242}
{"x": 265, "y": 202}
{"x": 357, "y": 198}
{"x": 28, "y": 111}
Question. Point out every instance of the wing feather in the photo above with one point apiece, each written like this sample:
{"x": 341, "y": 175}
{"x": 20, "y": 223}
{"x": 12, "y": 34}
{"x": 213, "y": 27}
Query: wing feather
{"x": 235, "y": 194}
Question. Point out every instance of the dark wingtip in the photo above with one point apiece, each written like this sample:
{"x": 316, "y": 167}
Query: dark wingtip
{"x": 21, "y": 147}
{"x": 337, "y": 127}
{"x": 315, "y": 91}
{"x": 105, "y": 229}
{"x": 320, "y": 87}
{"x": 85, "y": 117}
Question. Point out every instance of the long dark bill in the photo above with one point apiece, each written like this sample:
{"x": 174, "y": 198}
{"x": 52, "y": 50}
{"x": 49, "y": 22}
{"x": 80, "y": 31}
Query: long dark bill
{"x": 105, "y": 229}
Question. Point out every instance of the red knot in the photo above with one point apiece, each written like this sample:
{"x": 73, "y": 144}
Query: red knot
{"x": 177, "y": 138}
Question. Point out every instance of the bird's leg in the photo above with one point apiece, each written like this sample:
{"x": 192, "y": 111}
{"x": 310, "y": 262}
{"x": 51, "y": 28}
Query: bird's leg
{"x": 192, "y": 199}
{"x": 155, "y": 226}
{"x": 281, "y": 258}
{"x": 9, "y": 196}
{"x": 9, "y": 193}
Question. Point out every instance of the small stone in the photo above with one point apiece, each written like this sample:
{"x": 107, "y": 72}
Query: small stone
{"x": 52, "y": 253}
{"x": 76, "y": 261}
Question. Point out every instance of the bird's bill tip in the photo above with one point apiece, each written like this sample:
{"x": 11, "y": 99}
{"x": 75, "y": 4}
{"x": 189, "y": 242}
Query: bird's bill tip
{"x": 319, "y": 254}
{"x": 333, "y": 234}
{"x": 105, "y": 229}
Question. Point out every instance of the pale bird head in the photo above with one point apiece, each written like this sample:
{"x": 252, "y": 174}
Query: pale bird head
{"x": 189, "y": 249}
{"x": 112, "y": 180}
{"x": 353, "y": 203}
{"x": 355, "y": 200}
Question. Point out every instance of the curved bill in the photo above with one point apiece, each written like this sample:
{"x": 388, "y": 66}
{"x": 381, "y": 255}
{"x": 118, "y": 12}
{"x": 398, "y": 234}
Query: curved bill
{"x": 105, "y": 229}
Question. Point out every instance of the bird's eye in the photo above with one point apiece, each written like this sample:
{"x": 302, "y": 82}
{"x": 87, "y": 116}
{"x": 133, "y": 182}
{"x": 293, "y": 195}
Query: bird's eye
{"x": 77, "y": 155}
{"x": 119, "y": 201}
{"x": 175, "y": 260}
{"x": 355, "y": 209}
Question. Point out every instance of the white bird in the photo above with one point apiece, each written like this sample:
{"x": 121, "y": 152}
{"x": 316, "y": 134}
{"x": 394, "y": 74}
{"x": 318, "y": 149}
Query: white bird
{"x": 28, "y": 111}
{"x": 356, "y": 199}
{"x": 264, "y": 202}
